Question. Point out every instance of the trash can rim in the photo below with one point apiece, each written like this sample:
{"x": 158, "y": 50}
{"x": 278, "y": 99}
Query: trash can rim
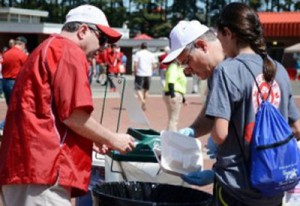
{"x": 96, "y": 193}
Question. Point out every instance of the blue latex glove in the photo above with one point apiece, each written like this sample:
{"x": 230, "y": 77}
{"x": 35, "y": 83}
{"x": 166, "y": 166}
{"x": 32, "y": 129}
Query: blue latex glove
{"x": 200, "y": 178}
{"x": 190, "y": 132}
{"x": 212, "y": 148}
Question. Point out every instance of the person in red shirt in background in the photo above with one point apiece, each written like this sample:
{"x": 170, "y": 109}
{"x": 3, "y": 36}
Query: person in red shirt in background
{"x": 101, "y": 67}
{"x": 1, "y": 78}
{"x": 123, "y": 61}
{"x": 92, "y": 66}
{"x": 46, "y": 150}
{"x": 113, "y": 61}
{"x": 13, "y": 59}
{"x": 163, "y": 67}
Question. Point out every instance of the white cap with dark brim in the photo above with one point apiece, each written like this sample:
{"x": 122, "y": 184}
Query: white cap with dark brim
{"x": 93, "y": 15}
{"x": 183, "y": 34}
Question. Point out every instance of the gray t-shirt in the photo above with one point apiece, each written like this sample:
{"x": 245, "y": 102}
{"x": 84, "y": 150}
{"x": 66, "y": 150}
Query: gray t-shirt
{"x": 234, "y": 96}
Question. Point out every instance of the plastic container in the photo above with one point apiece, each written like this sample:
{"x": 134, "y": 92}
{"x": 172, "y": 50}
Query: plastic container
{"x": 179, "y": 154}
{"x": 144, "y": 194}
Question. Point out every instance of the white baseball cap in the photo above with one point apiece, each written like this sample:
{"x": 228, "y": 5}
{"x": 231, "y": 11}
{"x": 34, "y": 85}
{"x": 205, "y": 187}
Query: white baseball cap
{"x": 93, "y": 15}
{"x": 181, "y": 35}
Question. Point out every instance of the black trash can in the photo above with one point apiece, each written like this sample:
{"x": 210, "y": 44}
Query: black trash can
{"x": 145, "y": 194}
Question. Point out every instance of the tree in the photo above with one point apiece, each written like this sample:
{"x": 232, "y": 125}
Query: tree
{"x": 154, "y": 17}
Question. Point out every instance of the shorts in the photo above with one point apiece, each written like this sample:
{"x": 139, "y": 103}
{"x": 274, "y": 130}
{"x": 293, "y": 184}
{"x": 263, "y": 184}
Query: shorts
{"x": 34, "y": 194}
{"x": 223, "y": 198}
{"x": 142, "y": 83}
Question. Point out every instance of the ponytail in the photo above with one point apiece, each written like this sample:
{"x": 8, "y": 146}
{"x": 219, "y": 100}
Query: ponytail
{"x": 269, "y": 68}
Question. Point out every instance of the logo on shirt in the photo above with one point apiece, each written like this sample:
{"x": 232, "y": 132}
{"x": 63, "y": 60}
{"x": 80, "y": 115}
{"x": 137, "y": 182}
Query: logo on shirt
{"x": 264, "y": 87}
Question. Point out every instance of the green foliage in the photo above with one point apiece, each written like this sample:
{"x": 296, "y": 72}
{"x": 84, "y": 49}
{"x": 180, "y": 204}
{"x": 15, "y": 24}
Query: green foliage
{"x": 153, "y": 17}
{"x": 115, "y": 15}
{"x": 297, "y": 6}
{"x": 162, "y": 30}
{"x": 256, "y": 4}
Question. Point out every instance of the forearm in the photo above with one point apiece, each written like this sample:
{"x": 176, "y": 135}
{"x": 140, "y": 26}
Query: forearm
{"x": 134, "y": 68}
{"x": 86, "y": 126}
{"x": 154, "y": 66}
{"x": 202, "y": 125}
{"x": 296, "y": 129}
{"x": 219, "y": 132}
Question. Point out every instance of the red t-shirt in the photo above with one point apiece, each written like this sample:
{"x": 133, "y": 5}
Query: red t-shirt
{"x": 101, "y": 57}
{"x": 37, "y": 146}
{"x": 114, "y": 59}
{"x": 13, "y": 60}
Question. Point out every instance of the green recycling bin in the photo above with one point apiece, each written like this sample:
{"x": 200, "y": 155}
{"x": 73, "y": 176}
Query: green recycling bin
{"x": 146, "y": 140}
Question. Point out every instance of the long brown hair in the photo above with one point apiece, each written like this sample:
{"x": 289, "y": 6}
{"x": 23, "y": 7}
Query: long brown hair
{"x": 244, "y": 22}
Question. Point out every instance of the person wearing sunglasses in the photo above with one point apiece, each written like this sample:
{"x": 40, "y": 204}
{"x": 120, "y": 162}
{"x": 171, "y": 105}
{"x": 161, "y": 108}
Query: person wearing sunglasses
{"x": 45, "y": 156}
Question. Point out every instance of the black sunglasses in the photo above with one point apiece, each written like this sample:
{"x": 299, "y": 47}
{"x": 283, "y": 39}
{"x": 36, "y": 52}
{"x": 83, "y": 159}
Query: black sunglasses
{"x": 103, "y": 40}
{"x": 101, "y": 36}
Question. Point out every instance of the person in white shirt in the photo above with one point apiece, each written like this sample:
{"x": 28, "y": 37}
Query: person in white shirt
{"x": 144, "y": 64}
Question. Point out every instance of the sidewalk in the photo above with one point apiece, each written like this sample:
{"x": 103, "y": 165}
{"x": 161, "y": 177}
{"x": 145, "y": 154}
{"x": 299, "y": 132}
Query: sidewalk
{"x": 156, "y": 86}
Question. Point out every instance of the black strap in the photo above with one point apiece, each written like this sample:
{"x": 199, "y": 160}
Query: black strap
{"x": 234, "y": 127}
{"x": 236, "y": 132}
{"x": 246, "y": 168}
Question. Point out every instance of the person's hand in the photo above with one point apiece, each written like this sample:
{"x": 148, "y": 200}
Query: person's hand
{"x": 200, "y": 178}
{"x": 123, "y": 143}
{"x": 187, "y": 131}
{"x": 101, "y": 148}
{"x": 188, "y": 71}
{"x": 212, "y": 148}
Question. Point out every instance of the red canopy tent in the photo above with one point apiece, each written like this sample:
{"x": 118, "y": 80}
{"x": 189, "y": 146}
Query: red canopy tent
{"x": 142, "y": 37}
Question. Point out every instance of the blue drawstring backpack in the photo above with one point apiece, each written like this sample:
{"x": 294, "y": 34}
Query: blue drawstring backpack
{"x": 275, "y": 157}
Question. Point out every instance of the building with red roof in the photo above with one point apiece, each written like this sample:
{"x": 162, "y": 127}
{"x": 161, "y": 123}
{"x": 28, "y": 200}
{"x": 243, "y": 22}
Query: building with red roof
{"x": 281, "y": 29}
